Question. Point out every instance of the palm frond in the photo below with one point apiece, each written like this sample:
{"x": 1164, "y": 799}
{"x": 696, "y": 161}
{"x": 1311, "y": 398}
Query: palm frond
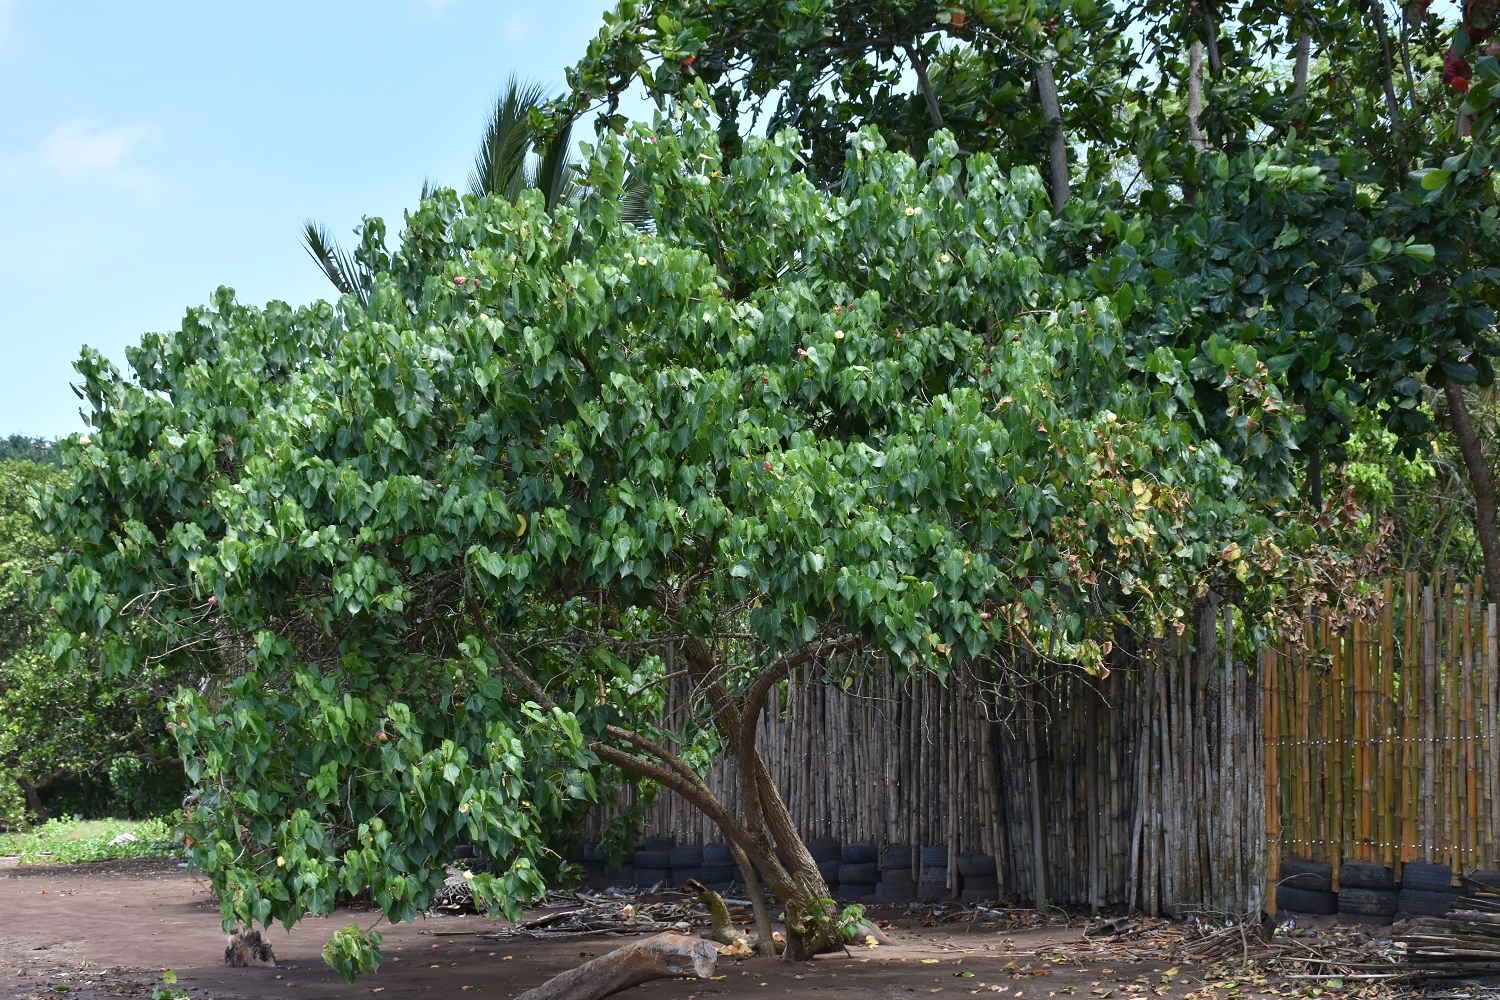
{"x": 554, "y": 173}
{"x": 500, "y": 166}
{"x": 342, "y": 270}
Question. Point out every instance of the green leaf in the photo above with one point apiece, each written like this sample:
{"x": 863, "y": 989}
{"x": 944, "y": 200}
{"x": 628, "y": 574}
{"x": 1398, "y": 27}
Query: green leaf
{"x": 1433, "y": 179}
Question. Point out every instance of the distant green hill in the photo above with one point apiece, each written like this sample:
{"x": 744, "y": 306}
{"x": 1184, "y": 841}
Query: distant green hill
{"x": 39, "y": 450}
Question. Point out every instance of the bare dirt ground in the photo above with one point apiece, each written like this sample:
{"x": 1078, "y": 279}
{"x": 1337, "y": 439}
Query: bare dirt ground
{"x": 110, "y": 929}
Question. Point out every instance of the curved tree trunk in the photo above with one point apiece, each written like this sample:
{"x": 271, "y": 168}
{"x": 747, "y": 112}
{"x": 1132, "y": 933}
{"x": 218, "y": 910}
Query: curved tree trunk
{"x": 767, "y": 823}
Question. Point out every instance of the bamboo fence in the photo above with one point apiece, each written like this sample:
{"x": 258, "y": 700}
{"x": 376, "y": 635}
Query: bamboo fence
{"x": 1132, "y": 789}
{"x": 1381, "y": 742}
{"x": 1374, "y": 741}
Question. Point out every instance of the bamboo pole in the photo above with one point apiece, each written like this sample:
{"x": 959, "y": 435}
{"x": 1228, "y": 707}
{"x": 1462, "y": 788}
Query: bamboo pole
{"x": 1388, "y": 726}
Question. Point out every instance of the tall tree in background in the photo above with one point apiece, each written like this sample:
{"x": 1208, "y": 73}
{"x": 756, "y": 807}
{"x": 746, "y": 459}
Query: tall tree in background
{"x": 58, "y": 720}
{"x": 1357, "y": 286}
{"x": 508, "y": 162}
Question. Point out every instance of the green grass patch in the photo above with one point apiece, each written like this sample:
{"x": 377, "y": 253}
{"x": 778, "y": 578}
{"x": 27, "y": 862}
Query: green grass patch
{"x": 67, "y": 842}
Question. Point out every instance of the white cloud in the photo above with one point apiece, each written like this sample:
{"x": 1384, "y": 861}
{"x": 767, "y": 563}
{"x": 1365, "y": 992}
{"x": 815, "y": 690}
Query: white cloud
{"x": 79, "y": 151}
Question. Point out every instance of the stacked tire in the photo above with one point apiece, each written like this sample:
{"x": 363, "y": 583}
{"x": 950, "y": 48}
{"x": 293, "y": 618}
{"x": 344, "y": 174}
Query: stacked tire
{"x": 933, "y": 885}
{"x": 859, "y": 871}
{"x": 719, "y": 870}
{"x": 1306, "y": 887}
{"x": 621, "y": 876}
{"x": 653, "y": 862}
{"x": 1367, "y": 893}
{"x": 687, "y": 862}
{"x": 593, "y": 865}
{"x": 981, "y": 881}
{"x": 1426, "y": 890}
{"x": 826, "y": 853}
{"x": 895, "y": 885}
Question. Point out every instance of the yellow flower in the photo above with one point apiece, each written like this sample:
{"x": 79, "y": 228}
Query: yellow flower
{"x": 943, "y": 259}
{"x": 280, "y": 861}
{"x": 910, "y": 210}
{"x": 641, "y": 261}
{"x": 838, "y": 335}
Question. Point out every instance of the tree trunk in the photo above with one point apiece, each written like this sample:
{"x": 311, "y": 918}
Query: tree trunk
{"x": 1057, "y": 140}
{"x": 1211, "y": 27}
{"x": 766, "y": 943}
{"x": 1195, "y": 96}
{"x": 661, "y": 957}
{"x": 1299, "y": 67}
{"x": 1481, "y": 483}
{"x": 33, "y": 799}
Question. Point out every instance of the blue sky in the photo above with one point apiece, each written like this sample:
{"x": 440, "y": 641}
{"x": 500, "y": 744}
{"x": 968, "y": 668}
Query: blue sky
{"x": 151, "y": 152}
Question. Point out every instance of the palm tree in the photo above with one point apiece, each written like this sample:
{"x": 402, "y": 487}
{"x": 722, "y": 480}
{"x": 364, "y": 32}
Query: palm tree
{"x": 503, "y": 166}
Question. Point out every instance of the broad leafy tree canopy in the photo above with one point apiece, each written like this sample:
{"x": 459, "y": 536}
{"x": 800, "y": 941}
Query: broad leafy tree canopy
{"x": 785, "y": 414}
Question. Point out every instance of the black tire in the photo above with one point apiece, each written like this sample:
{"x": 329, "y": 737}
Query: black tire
{"x": 895, "y": 892}
{"x": 681, "y": 875}
{"x": 686, "y": 857}
{"x": 717, "y": 872}
{"x": 829, "y": 870}
{"x": 651, "y": 876}
{"x": 898, "y": 876}
{"x": 591, "y": 851}
{"x": 935, "y": 857}
{"x": 987, "y": 888}
{"x": 864, "y": 874}
{"x": 619, "y": 876}
{"x": 1490, "y": 881}
{"x": 859, "y": 854}
{"x": 1428, "y": 904}
{"x": 659, "y": 843}
{"x": 976, "y": 865}
{"x": 1312, "y": 876}
{"x": 717, "y": 854}
{"x": 824, "y": 853}
{"x": 1306, "y": 900}
{"x": 1363, "y": 875}
{"x": 1421, "y": 877}
{"x": 653, "y": 859}
{"x": 1368, "y": 919}
{"x": 897, "y": 857}
{"x": 1368, "y": 902}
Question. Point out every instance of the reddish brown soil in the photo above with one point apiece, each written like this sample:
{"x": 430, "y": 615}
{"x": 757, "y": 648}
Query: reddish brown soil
{"x": 110, "y": 929}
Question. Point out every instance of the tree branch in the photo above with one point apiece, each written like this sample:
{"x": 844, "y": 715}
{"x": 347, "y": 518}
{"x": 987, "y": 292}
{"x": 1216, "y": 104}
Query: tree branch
{"x": 926, "y": 84}
{"x": 755, "y": 698}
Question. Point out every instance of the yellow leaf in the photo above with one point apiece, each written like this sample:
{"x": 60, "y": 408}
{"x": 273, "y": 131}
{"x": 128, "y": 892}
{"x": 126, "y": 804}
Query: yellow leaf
{"x": 929, "y": 961}
{"x": 522, "y": 529}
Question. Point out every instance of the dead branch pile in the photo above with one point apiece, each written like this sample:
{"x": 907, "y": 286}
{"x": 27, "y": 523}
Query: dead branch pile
{"x": 1463, "y": 943}
{"x": 575, "y": 914}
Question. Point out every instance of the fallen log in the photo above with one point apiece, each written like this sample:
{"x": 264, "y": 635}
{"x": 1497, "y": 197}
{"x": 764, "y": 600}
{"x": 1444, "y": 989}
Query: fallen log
{"x": 660, "y": 957}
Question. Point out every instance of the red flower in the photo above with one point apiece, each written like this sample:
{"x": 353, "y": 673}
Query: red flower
{"x": 768, "y": 466}
{"x": 1456, "y": 71}
{"x": 690, "y": 60}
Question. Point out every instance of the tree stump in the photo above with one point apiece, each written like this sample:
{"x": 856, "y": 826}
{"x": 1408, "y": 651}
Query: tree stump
{"x": 659, "y": 957}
